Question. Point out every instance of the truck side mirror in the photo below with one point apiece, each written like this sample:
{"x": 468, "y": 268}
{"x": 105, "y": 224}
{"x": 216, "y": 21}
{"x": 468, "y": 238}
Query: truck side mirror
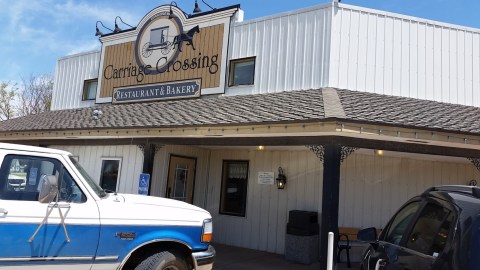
{"x": 49, "y": 189}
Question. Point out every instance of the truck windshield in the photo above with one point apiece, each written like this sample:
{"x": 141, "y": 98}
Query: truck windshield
{"x": 88, "y": 179}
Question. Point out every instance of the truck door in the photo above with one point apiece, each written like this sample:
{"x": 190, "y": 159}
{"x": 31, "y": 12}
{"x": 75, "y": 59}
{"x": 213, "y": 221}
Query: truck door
{"x": 37, "y": 235}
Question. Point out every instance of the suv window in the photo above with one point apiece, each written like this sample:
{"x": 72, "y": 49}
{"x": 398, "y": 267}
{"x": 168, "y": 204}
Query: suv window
{"x": 399, "y": 223}
{"x": 20, "y": 178}
{"x": 430, "y": 232}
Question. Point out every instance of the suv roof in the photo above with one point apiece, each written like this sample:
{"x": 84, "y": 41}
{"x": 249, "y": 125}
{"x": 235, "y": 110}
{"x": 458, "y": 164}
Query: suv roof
{"x": 473, "y": 191}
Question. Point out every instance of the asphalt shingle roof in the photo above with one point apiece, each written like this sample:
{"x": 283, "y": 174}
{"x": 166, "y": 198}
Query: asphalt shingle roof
{"x": 238, "y": 110}
{"x": 410, "y": 112}
{"x": 283, "y": 107}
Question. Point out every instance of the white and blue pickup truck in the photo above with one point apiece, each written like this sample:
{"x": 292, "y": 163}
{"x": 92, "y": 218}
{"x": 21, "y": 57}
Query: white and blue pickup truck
{"x": 54, "y": 216}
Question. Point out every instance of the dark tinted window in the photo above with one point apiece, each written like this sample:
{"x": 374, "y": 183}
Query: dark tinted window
{"x": 430, "y": 232}
{"x": 242, "y": 71}
{"x": 233, "y": 199}
{"x": 399, "y": 223}
{"x": 109, "y": 176}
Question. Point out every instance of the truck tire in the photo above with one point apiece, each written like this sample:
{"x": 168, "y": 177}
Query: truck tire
{"x": 164, "y": 260}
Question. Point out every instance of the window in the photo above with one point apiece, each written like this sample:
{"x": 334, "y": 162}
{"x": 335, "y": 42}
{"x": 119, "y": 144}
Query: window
{"x": 242, "y": 71}
{"x": 181, "y": 178}
{"x": 399, "y": 224}
{"x": 158, "y": 36}
{"x": 429, "y": 235}
{"x": 20, "y": 179}
{"x": 90, "y": 89}
{"x": 233, "y": 197}
{"x": 109, "y": 174}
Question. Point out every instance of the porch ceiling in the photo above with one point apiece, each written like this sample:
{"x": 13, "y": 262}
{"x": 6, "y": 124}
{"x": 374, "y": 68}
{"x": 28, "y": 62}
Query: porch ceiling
{"x": 303, "y": 117}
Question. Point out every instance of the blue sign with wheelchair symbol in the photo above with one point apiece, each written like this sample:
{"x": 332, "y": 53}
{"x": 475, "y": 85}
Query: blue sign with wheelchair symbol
{"x": 143, "y": 183}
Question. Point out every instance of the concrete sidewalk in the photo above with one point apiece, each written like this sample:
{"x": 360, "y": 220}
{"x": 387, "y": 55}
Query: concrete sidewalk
{"x": 235, "y": 258}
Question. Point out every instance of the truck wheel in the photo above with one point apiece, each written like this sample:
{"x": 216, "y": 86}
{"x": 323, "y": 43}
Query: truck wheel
{"x": 164, "y": 260}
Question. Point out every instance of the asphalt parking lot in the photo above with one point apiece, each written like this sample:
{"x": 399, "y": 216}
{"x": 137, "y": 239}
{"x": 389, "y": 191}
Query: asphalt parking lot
{"x": 235, "y": 258}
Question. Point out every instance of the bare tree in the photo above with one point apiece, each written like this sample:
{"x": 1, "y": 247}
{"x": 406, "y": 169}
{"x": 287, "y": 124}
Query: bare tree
{"x": 35, "y": 95}
{"x": 7, "y": 99}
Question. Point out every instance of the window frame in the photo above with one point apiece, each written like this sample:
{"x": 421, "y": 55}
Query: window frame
{"x": 408, "y": 228}
{"x": 223, "y": 188}
{"x": 119, "y": 159}
{"x": 58, "y": 166}
{"x": 424, "y": 217}
{"x": 231, "y": 70}
{"x": 85, "y": 92}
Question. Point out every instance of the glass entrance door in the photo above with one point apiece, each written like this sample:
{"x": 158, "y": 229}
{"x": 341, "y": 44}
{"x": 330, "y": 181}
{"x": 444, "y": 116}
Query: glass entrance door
{"x": 181, "y": 178}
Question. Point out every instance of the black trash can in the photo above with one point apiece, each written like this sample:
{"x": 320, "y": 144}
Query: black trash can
{"x": 302, "y": 238}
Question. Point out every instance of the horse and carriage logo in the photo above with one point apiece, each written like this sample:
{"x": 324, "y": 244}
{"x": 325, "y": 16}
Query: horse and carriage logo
{"x": 165, "y": 45}
{"x": 160, "y": 41}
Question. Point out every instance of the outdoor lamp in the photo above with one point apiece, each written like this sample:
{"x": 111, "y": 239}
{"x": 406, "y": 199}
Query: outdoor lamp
{"x": 99, "y": 33}
{"x": 281, "y": 179}
{"x": 173, "y": 3}
{"x": 197, "y": 8}
{"x": 171, "y": 15}
{"x": 118, "y": 29}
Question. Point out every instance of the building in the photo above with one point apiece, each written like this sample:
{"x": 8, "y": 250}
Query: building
{"x": 191, "y": 100}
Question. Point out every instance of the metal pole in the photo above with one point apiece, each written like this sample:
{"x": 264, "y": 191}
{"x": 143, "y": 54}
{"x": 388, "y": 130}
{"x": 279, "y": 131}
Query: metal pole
{"x": 330, "y": 251}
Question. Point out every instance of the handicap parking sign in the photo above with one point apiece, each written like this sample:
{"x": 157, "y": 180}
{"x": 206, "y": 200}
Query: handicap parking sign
{"x": 143, "y": 183}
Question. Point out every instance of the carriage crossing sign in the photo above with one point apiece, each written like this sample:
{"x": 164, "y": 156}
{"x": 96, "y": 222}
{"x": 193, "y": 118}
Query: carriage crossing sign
{"x": 168, "y": 50}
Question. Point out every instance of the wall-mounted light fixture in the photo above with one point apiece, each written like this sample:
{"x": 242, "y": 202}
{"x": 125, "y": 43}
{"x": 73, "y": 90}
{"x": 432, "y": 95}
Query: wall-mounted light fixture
{"x": 171, "y": 15}
{"x": 197, "y": 8}
{"x": 99, "y": 33}
{"x": 281, "y": 179}
{"x": 118, "y": 29}
{"x": 260, "y": 147}
{"x": 379, "y": 152}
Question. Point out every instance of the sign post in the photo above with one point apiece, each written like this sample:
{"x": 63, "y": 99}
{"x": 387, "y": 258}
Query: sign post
{"x": 143, "y": 183}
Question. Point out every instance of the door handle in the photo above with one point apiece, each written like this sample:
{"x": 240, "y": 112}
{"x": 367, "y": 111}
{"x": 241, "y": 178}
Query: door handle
{"x": 381, "y": 263}
{"x": 3, "y": 211}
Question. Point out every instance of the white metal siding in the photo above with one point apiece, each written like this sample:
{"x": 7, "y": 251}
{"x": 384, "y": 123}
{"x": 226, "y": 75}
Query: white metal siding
{"x": 71, "y": 72}
{"x": 371, "y": 190}
{"x": 90, "y": 157}
{"x": 391, "y": 54}
{"x": 291, "y": 50}
{"x": 264, "y": 226}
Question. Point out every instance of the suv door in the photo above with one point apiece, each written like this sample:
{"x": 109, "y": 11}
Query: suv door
{"x": 21, "y": 215}
{"x": 415, "y": 237}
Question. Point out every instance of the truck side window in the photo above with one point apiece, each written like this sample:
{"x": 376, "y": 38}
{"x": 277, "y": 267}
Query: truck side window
{"x": 20, "y": 179}
{"x": 399, "y": 223}
{"x": 69, "y": 190}
{"x": 429, "y": 235}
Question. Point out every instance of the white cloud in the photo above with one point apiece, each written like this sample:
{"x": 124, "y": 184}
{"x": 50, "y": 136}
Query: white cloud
{"x": 84, "y": 47}
{"x": 91, "y": 12}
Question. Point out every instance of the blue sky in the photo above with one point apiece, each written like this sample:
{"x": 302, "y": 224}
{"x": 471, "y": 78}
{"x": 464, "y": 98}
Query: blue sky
{"x": 34, "y": 34}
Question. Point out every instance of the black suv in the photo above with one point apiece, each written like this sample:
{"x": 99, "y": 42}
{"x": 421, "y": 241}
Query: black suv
{"x": 438, "y": 230}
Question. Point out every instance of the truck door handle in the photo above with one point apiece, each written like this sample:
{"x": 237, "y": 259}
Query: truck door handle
{"x": 3, "y": 211}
